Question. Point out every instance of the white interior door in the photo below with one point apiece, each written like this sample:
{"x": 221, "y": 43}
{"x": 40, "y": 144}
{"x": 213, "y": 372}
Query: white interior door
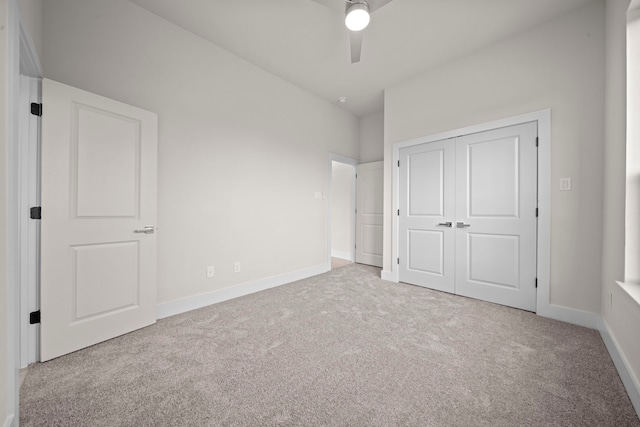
{"x": 369, "y": 195}
{"x": 98, "y": 271}
{"x": 468, "y": 217}
{"x": 496, "y": 216}
{"x": 343, "y": 215}
{"x": 426, "y": 215}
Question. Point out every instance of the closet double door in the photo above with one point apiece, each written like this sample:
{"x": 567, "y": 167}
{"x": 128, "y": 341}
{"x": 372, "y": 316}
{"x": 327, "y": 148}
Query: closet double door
{"x": 468, "y": 215}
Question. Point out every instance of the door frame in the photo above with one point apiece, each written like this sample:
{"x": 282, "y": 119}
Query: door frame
{"x": 543, "y": 119}
{"x": 333, "y": 157}
{"x": 31, "y": 91}
{"x": 22, "y": 59}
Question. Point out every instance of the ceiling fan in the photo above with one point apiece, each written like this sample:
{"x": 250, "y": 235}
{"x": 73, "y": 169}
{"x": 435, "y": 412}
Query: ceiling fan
{"x": 356, "y": 19}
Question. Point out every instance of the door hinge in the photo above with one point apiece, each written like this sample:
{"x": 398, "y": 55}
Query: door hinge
{"x": 35, "y": 212}
{"x": 356, "y": 176}
{"x": 398, "y": 163}
{"x": 398, "y": 260}
{"x": 34, "y": 317}
{"x": 36, "y": 109}
{"x": 537, "y": 141}
{"x": 536, "y": 282}
{"x": 398, "y": 212}
{"x": 536, "y": 212}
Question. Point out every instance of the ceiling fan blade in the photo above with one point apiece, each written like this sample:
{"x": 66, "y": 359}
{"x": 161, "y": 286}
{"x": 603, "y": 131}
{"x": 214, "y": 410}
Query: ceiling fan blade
{"x": 336, "y": 5}
{"x": 376, "y": 4}
{"x": 355, "y": 40}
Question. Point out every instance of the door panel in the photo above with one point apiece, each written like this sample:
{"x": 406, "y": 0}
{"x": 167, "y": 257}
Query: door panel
{"x": 493, "y": 178}
{"x": 426, "y": 242}
{"x": 99, "y": 291}
{"x": 494, "y": 259}
{"x": 105, "y": 142}
{"x": 371, "y": 240}
{"x": 98, "y": 276}
{"x": 426, "y": 203}
{"x": 425, "y": 183}
{"x": 369, "y": 194}
{"x": 496, "y": 203}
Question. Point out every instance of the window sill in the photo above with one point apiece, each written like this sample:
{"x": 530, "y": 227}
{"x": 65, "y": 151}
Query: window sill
{"x": 632, "y": 289}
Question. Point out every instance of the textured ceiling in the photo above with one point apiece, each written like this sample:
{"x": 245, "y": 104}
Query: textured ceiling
{"x": 307, "y": 43}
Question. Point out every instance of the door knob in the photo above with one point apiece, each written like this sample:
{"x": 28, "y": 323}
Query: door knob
{"x": 462, "y": 225}
{"x": 148, "y": 229}
{"x": 445, "y": 224}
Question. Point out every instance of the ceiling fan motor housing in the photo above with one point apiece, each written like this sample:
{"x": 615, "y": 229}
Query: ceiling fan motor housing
{"x": 357, "y": 17}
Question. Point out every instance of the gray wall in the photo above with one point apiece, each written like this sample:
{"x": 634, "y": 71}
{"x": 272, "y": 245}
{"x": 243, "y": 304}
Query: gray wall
{"x": 620, "y": 312}
{"x": 31, "y": 13}
{"x": 372, "y": 138}
{"x": 5, "y": 368}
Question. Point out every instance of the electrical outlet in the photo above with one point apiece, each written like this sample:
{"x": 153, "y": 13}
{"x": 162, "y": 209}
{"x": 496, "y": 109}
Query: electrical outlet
{"x": 211, "y": 271}
{"x": 236, "y": 267}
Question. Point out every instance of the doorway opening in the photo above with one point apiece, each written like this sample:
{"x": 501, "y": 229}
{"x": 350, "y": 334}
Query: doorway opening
{"x": 341, "y": 208}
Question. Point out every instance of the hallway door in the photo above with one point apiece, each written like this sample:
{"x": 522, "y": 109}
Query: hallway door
{"x": 369, "y": 193}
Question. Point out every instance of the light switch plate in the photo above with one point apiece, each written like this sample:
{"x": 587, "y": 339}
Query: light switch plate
{"x": 565, "y": 184}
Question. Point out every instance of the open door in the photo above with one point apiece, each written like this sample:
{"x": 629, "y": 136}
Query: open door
{"x": 98, "y": 247}
{"x": 369, "y": 193}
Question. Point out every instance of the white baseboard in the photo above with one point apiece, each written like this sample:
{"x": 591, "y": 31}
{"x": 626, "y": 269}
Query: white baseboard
{"x": 629, "y": 380}
{"x": 570, "y": 315}
{"x": 556, "y": 312}
{"x": 341, "y": 255}
{"x": 9, "y": 421}
{"x": 191, "y": 303}
{"x": 388, "y": 275}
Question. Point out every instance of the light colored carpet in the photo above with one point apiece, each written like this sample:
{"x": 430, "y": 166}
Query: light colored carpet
{"x": 342, "y": 349}
{"x": 339, "y": 262}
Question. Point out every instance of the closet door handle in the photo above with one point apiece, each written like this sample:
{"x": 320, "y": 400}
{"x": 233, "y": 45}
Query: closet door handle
{"x": 445, "y": 224}
{"x": 462, "y": 225}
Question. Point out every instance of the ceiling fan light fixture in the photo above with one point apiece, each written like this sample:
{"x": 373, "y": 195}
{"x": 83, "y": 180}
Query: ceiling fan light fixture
{"x": 357, "y": 16}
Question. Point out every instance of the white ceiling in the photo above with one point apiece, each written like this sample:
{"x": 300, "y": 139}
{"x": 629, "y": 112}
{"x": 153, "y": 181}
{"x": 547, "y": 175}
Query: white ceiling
{"x": 307, "y": 43}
